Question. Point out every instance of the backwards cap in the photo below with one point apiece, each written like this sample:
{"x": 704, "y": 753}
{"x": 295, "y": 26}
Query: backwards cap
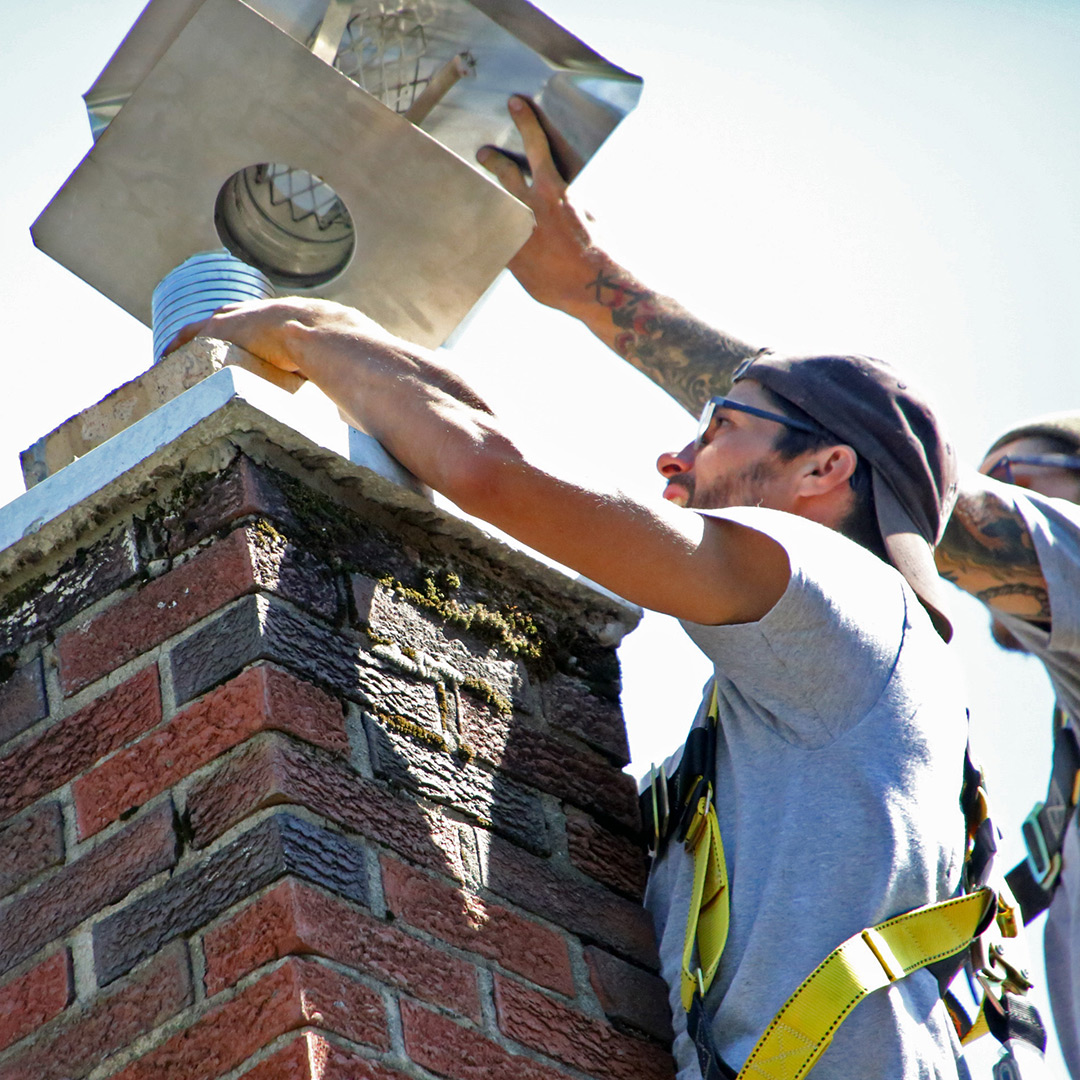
{"x": 865, "y": 404}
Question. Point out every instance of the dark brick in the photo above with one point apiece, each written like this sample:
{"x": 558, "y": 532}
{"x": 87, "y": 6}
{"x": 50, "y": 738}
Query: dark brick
{"x": 275, "y": 847}
{"x": 83, "y": 580}
{"x": 463, "y": 919}
{"x": 262, "y": 628}
{"x": 462, "y": 1053}
{"x": 273, "y": 769}
{"x": 244, "y": 489}
{"x": 542, "y": 1023}
{"x": 247, "y": 559}
{"x": 294, "y": 918}
{"x": 552, "y": 765}
{"x": 261, "y": 698}
{"x": 294, "y": 995}
{"x": 616, "y": 861}
{"x": 22, "y": 699}
{"x": 71, "y": 745}
{"x": 82, "y": 1038}
{"x": 487, "y": 797}
{"x": 29, "y": 845}
{"x": 550, "y": 890}
{"x": 35, "y": 997}
{"x": 103, "y": 876}
{"x": 570, "y": 706}
{"x": 631, "y": 997}
{"x": 311, "y": 1057}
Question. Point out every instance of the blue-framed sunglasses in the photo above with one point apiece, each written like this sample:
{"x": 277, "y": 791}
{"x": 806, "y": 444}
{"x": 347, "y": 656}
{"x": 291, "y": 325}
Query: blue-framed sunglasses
{"x": 706, "y": 419}
{"x": 1002, "y": 468}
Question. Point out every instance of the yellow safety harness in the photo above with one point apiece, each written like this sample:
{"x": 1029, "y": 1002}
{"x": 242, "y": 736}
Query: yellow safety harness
{"x": 871, "y": 959}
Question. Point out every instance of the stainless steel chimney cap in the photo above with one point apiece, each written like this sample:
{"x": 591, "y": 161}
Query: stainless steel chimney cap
{"x": 200, "y": 91}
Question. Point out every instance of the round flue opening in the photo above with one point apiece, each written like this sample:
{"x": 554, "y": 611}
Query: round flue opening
{"x": 288, "y": 222}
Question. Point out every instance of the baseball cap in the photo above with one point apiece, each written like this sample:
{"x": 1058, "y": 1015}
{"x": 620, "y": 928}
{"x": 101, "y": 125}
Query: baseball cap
{"x": 1057, "y": 425}
{"x": 866, "y": 404}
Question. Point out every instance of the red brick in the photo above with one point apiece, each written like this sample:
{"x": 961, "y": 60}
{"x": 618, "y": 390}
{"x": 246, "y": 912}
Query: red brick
{"x": 77, "y": 742}
{"x": 259, "y": 699}
{"x": 461, "y": 1053}
{"x": 570, "y": 706}
{"x": 294, "y": 918}
{"x": 273, "y": 770}
{"x": 629, "y": 995}
{"x": 553, "y": 765}
{"x": 78, "y": 1040}
{"x": 295, "y": 995}
{"x": 35, "y": 998}
{"x": 311, "y": 1057}
{"x": 161, "y": 608}
{"x": 29, "y": 845}
{"x": 614, "y": 860}
{"x": 468, "y": 922}
{"x": 537, "y": 1021}
{"x": 103, "y": 876}
{"x": 556, "y": 893}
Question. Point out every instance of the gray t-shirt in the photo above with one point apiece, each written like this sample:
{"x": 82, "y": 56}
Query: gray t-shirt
{"x": 839, "y": 765}
{"x": 1054, "y": 525}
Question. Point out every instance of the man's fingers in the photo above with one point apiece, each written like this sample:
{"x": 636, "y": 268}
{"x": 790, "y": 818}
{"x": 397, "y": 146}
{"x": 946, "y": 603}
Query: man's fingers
{"x": 537, "y": 147}
{"x": 506, "y": 170}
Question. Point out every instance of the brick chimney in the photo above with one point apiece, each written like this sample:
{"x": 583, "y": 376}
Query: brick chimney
{"x": 302, "y": 777}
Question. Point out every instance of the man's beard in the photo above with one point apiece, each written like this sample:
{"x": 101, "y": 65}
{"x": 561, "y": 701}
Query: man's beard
{"x": 745, "y": 488}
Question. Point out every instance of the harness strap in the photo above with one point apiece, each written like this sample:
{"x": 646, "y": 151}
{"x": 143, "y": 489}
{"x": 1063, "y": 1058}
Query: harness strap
{"x": 802, "y": 1030}
{"x": 1034, "y": 880}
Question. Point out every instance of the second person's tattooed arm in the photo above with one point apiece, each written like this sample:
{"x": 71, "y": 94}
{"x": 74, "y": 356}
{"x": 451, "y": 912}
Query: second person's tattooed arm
{"x": 987, "y": 551}
{"x": 561, "y": 267}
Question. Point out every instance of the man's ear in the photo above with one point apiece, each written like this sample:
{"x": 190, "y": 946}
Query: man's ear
{"x": 828, "y": 468}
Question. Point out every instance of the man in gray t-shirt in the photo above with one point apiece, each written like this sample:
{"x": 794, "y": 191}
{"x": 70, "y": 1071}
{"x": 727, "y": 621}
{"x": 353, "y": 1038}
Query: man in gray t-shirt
{"x": 1014, "y": 543}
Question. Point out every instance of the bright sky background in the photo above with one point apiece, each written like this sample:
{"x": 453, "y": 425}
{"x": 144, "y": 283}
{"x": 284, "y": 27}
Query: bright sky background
{"x": 842, "y": 175}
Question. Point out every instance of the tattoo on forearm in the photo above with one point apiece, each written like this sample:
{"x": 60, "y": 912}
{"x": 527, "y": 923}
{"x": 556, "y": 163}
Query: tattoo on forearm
{"x": 683, "y": 356}
{"x": 988, "y": 551}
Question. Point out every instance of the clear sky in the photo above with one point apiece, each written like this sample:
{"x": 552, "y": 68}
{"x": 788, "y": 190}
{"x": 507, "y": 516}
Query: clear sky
{"x": 842, "y": 175}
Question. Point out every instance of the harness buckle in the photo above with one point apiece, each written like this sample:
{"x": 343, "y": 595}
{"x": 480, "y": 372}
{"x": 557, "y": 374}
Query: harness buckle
{"x": 1044, "y": 867}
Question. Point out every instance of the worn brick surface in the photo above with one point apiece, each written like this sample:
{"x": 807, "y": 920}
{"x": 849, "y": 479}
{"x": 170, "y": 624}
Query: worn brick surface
{"x": 34, "y": 998}
{"x": 569, "y": 705}
{"x": 469, "y": 922}
{"x": 263, "y": 628}
{"x": 244, "y": 489}
{"x": 566, "y": 771}
{"x": 273, "y": 769}
{"x": 548, "y": 889}
{"x": 485, "y": 796}
{"x": 83, "y": 580}
{"x": 293, "y": 918}
{"x": 89, "y": 1033}
{"x": 583, "y": 1042}
{"x": 273, "y": 848}
{"x": 29, "y": 845}
{"x": 629, "y": 995}
{"x": 392, "y": 616}
{"x": 311, "y": 1057}
{"x": 22, "y": 699}
{"x": 71, "y": 745}
{"x": 616, "y": 861}
{"x": 462, "y": 1053}
{"x": 298, "y": 993}
{"x": 247, "y": 559}
{"x": 259, "y": 699}
{"x": 103, "y": 876}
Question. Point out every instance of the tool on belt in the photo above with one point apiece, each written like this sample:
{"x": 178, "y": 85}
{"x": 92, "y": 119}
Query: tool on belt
{"x": 942, "y": 936}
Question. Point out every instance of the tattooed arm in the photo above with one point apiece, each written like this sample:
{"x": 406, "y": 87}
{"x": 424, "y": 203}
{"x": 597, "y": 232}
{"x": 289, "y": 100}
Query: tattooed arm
{"x": 561, "y": 267}
{"x": 988, "y": 552}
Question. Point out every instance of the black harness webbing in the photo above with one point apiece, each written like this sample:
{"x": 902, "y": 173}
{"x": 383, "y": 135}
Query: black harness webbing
{"x": 1034, "y": 880}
